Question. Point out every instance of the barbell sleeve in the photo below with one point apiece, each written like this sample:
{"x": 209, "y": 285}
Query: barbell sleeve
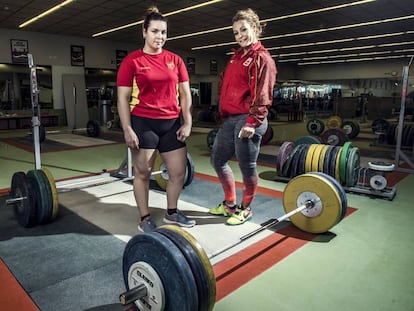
{"x": 133, "y": 294}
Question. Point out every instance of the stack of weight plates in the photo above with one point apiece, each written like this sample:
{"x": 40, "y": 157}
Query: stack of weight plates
{"x": 340, "y": 162}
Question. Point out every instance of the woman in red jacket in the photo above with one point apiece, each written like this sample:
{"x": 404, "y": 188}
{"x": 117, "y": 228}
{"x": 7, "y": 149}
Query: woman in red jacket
{"x": 245, "y": 96}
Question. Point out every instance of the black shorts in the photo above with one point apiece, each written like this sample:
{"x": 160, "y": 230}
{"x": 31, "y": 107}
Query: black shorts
{"x": 157, "y": 133}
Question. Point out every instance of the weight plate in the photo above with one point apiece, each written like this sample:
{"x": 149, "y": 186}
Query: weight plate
{"x": 337, "y": 163}
{"x": 189, "y": 172}
{"x": 268, "y": 136}
{"x": 315, "y": 127}
{"x": 162, "y": 177}
{"x": 211, "y": 136}
{"x": 170, "y": 265}
{"x": 309, "y": 157}
{"x": 334, "y": 137}
{"x": 327, "y": 159}
{"x": 381, "y": 166}
{"x": 93, "y": 128}
{"x": 284, "y": 151}
{"x": 287, "y": 165}
{"x": 334, "y": 122}
{"x": 315, "y": 158}
{"x": 53, "y": 189}
{"x": 302, "y": 160}
{"x": 332, "y": 161}
{"x": 341, "y": 192}
{"x": 44, "y": 208}
{"x": 343, "y": 161}
{"x": 312, "y": 186}
{"x": 351, "y": 129}
{"x": 380, "y": 126}
{"x": 378, "y": 182}
{"x": 202, "y": 255}
{"x": 196, "y": 265}
{"x": 307, "y": 140}
{"x": 294, "y": 161}
{"x": 352, "y": 167}
{"x": 25, "y": 209}
{"x": 322, "y": 157}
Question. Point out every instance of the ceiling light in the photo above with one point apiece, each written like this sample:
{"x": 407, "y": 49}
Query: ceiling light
{"x": 193, "y": 7}
{"x": 56, "y": 7}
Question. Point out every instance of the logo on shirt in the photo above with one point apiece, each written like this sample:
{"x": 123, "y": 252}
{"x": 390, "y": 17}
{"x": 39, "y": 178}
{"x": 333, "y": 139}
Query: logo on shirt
{"x": 143, "y": 68}
{"x": 170, "y": 65}
{"x": 247, "y": 61}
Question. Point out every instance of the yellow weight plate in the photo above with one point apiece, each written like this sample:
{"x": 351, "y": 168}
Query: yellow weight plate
{"x": 328, "y": 207}
{"x": 161, "y": 174}
{"x": 55, "y": 197}
{"x": 203, "y": 258}
{"x": 315, "y": 158}
{"x": 308, "y": 159}
{"x": 322, "y": 157}
{"x": 334, "y": 122}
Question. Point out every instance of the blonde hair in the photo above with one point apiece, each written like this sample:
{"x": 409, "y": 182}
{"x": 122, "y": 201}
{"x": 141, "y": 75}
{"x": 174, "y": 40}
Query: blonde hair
{"x": 251, "y": 17}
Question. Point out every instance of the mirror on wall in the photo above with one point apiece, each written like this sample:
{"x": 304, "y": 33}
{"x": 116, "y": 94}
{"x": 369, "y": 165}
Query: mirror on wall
{"x": 15, "y": 87}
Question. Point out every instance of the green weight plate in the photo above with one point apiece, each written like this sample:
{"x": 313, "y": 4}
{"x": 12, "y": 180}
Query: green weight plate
{"x": 307, "y": 140}
{"x": 328, "y": 204}
{"x": 189, "y": 172}
{"x": 25, "y": 209}
{"x": 171, "y": 268}
{"x": 315, "y": 127}
{"x": 44, "y": 204}
{"x": 284, "y": 151}
{"x": 53, "y": 189}
{"x": 343, "y": 161}
{"x": 211, "y": 136}
{"x": 202, "y": 255}
{"x": 196, "y": 265}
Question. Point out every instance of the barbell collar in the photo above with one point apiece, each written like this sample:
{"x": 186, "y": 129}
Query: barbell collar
{"x": 14, "y": 200}
{"x": 133, "y": 294}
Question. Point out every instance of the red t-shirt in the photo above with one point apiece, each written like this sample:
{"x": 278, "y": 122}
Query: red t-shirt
{"x": 154, "y": 80}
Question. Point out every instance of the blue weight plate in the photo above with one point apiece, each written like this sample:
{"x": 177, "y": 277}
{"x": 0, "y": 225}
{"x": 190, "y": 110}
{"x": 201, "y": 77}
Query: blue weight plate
{"x": 294, "y": 169}
{"x": 327, "y": 158}
{"x": 332, "y": 161}
{"x": 302, "y": 160}
{"x": 169, "y": 263}
{"x": 200, "y": 275}
{"x": 287, "y": 165}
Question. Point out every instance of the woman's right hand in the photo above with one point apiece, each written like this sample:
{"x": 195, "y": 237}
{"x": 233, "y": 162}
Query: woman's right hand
{"x": 131, "y": 138}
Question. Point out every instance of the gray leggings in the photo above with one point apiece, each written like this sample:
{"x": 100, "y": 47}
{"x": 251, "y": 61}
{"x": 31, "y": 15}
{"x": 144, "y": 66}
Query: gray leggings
{"x": 226, "y": 145}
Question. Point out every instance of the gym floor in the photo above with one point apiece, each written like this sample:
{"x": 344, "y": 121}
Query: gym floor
{"x": 75, "y": 263}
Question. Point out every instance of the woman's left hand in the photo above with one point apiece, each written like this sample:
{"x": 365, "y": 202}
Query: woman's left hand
{"x": 246, "y": 132}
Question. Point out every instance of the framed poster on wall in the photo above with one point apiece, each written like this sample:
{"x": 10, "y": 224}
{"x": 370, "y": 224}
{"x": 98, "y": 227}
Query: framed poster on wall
{"x": 213, "y": 67}
{"x": 77, "y": 55}
{"x": 19, "y": 51}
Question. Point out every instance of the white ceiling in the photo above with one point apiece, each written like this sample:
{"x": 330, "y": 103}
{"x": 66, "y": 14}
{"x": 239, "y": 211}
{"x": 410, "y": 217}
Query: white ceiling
{"x": 83, "y": 18}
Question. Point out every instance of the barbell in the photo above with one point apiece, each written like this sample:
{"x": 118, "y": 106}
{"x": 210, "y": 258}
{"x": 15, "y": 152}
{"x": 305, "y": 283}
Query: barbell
{"x": 168, "y": 269}
{"x": 34, "y": 195}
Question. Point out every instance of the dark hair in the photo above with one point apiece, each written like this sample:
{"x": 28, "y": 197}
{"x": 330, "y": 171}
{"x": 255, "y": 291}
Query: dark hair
{"x": 251, "y": 17}
{"x": 152, "y": 14}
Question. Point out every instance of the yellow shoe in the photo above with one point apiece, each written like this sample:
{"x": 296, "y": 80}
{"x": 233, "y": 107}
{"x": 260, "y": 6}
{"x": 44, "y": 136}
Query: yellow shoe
{"x": 223, "y": 209}
{"x": 240, "y": 216}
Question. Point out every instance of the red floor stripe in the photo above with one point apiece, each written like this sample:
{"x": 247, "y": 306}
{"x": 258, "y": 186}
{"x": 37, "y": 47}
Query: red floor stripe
{"x": 12, "y": 295}
{"x": 238, "y": 269}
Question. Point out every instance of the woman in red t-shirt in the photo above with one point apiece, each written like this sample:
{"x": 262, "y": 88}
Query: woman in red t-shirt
{"x": 245, "y": 95}
{"x": 149, "y": 83}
